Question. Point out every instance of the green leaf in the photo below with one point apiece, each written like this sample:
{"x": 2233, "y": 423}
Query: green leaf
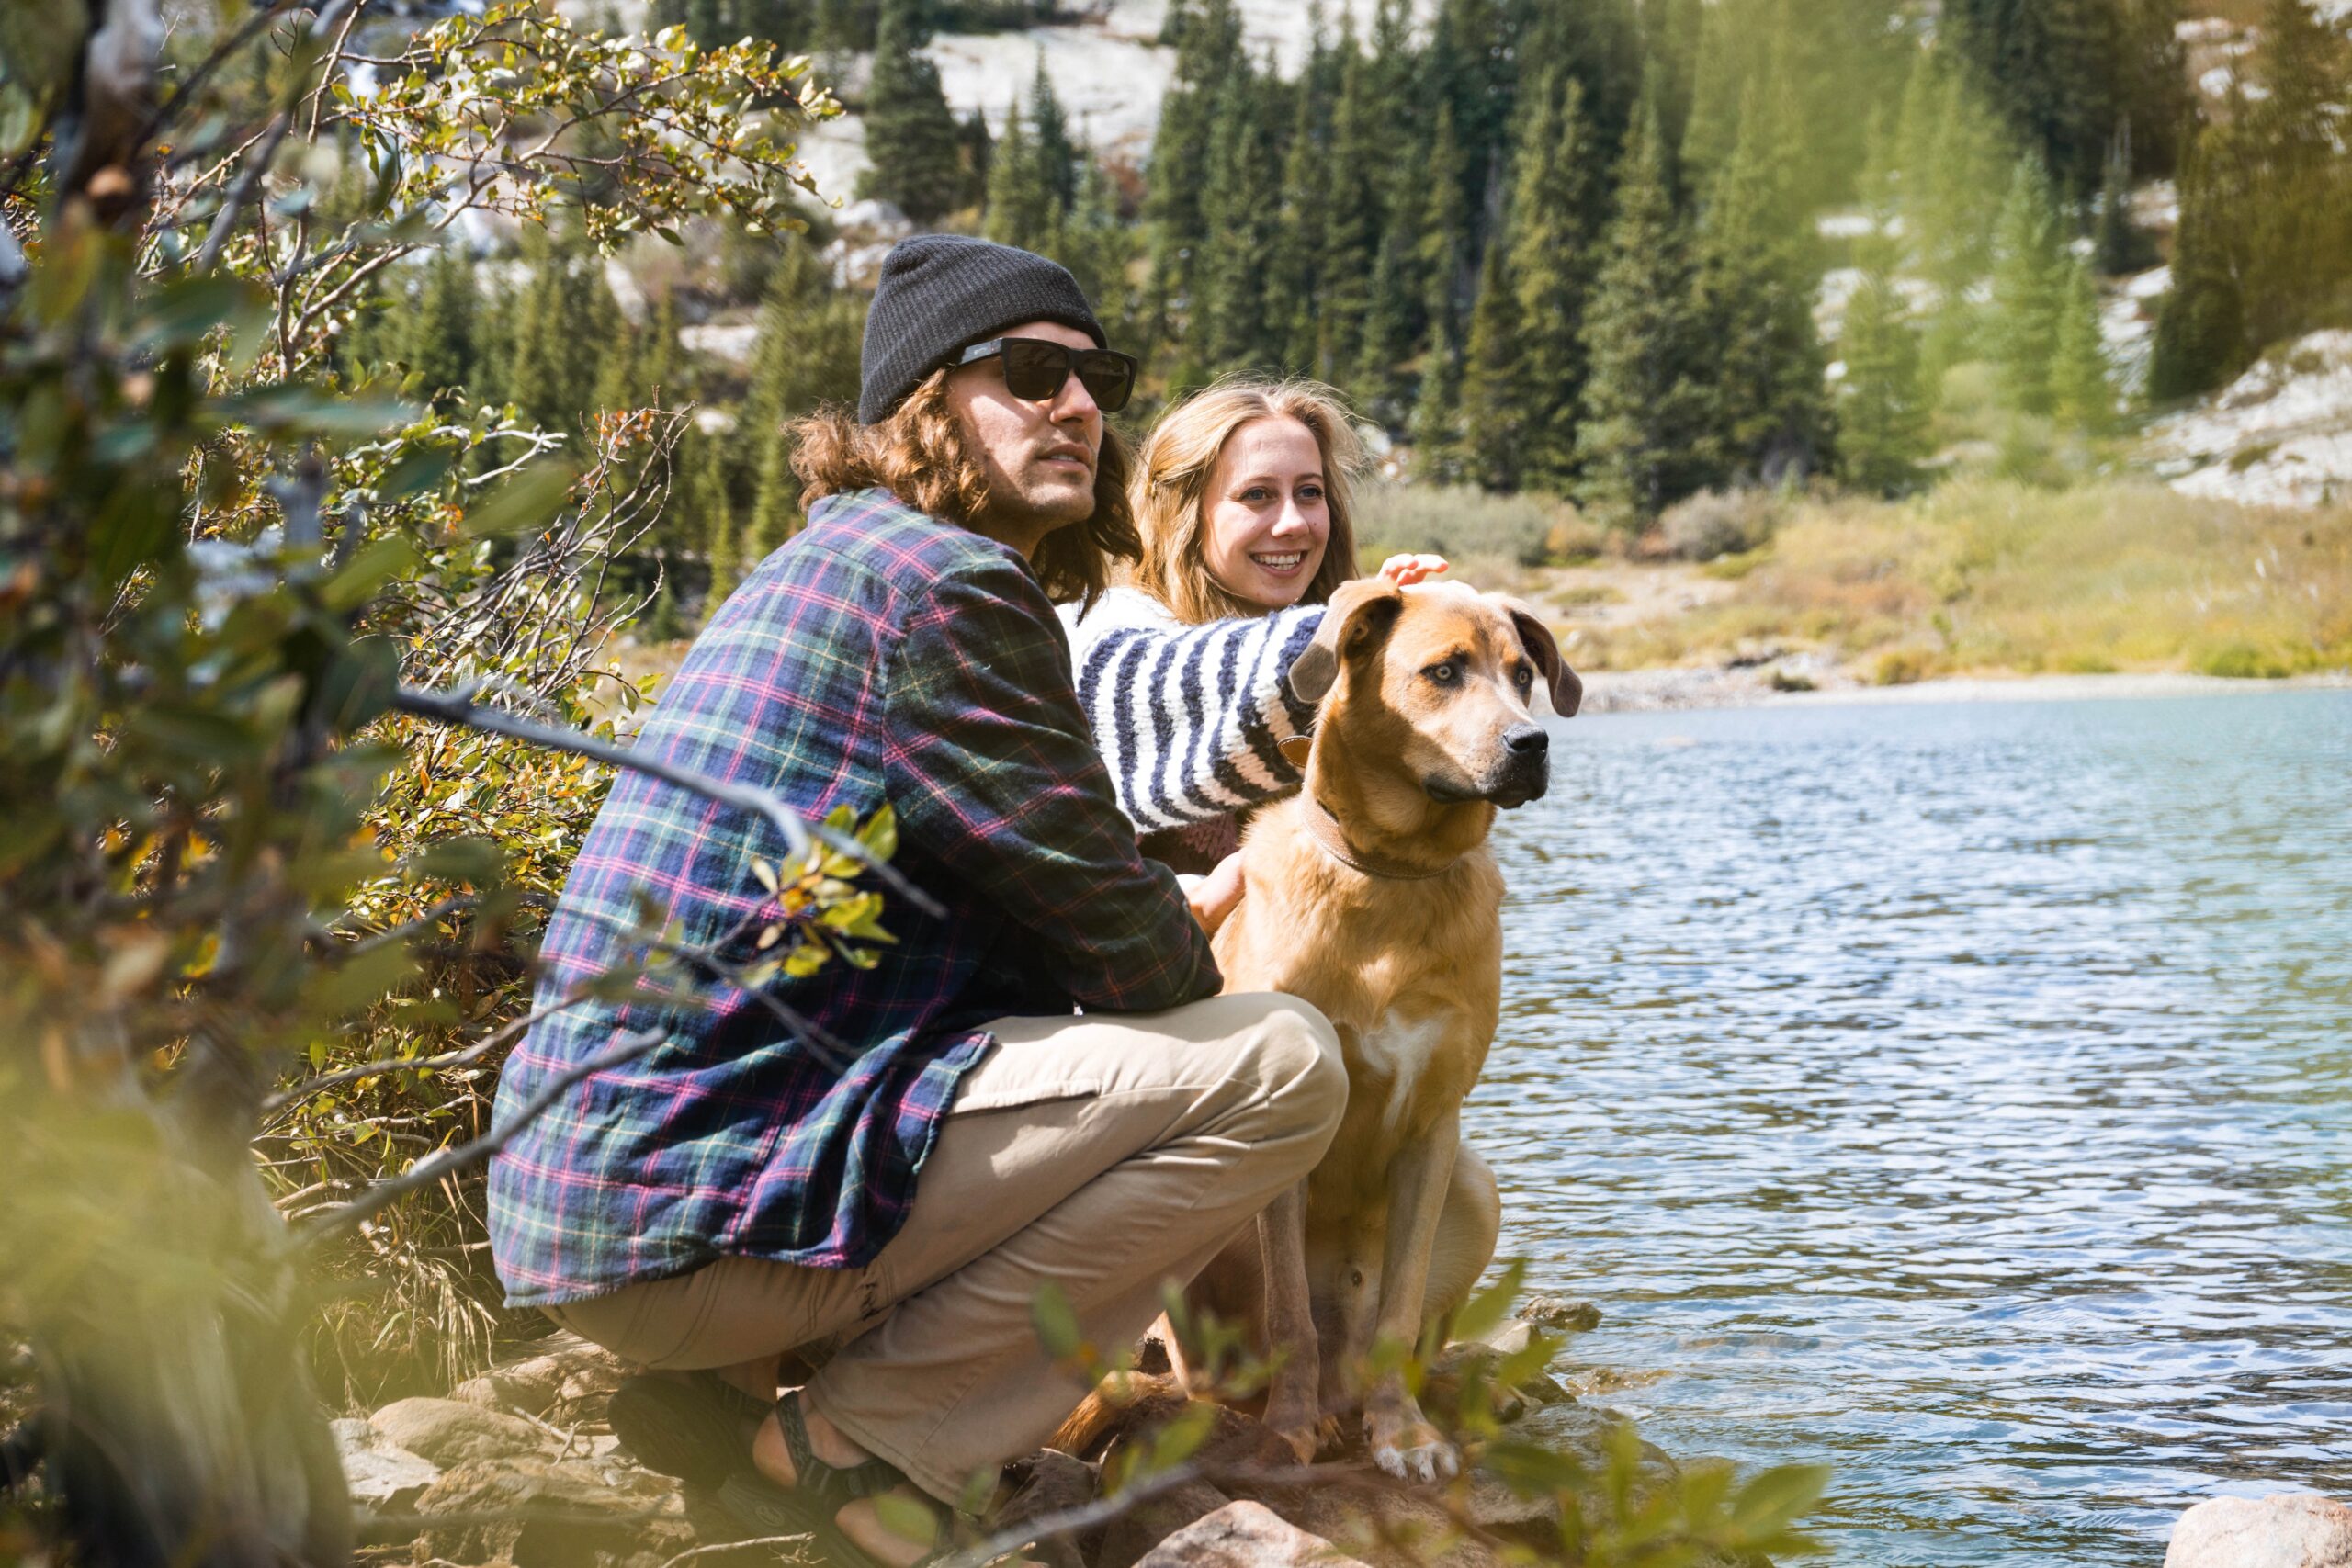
{"x": 906, "y": 1519}
{"x": 419, "y": 469}
{"x": 523, "y": 503}
{"x": 879, "y": 837}
{"x": 1485, "y": 1311}
{"x": 182, "y": 313}
{"x": 1057, "y": 1322}
{"x": 1772, "y": 1501}
{"x": 469, "y": 859}
{"x": 374, "y": 565}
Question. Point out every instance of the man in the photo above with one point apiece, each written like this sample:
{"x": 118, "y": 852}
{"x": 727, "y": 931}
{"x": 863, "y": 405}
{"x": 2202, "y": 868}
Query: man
{"x": 955, "y": 1138}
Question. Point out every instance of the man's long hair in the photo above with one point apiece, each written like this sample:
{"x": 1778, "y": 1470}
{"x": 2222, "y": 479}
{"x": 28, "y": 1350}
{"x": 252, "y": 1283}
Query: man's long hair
{"x": 921, "y": 455}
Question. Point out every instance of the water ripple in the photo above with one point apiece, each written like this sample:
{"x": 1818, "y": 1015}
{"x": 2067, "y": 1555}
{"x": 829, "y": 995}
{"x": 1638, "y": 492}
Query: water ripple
{"x": 1954, "y": 1094}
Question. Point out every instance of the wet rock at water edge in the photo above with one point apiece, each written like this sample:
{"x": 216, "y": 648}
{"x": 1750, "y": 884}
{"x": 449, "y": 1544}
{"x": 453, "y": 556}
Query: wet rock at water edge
{"x": 2287, "y": 1530}
{"x": 1566, "y": 1314}
{"x": 1244, "y": 1535}
{"x": 452, "y": 1431}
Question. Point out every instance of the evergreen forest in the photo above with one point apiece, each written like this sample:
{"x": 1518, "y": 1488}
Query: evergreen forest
{"x": 1614, "y": 252}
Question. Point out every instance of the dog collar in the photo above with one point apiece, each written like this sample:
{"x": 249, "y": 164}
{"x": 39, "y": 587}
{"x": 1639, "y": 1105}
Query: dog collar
{"x": 1324, "y": 828}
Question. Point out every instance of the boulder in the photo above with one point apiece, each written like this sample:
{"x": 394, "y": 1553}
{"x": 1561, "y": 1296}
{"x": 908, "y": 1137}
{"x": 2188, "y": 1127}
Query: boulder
{"x": 1048, "y": 1481}
{"x": 1388, "y": 1525}
{"x": 1568, "y": 1314}
{"x": 452, "y": 1431}
{"x": 564, "y": 1376}
{"x": 1143, "y": 1530}
{"x": 1244, "y": 1535}
{"x": 381, "y": 1476}
{"x": 2287, "y": 1530}
{"x": 534, "y": 1513}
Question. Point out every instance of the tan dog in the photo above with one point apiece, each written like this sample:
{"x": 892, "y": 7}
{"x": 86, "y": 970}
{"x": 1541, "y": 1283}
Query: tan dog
{"x": 1372, "y": 895}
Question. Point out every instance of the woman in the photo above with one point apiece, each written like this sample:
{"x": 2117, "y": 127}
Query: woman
{"x": 1242, "y": 502}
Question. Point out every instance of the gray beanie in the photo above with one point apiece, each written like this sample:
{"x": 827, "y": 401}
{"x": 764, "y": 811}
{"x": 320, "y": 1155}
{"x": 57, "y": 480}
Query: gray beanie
{"x": 939, "y": 294}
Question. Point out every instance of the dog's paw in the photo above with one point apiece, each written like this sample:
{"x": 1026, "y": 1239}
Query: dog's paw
{"x": 1297, "y": 1421}
{"x": 1412, "y": 1450}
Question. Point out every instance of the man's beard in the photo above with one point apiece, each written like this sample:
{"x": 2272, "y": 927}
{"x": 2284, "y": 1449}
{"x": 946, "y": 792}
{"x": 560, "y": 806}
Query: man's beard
{"x": 1011, "y": 505}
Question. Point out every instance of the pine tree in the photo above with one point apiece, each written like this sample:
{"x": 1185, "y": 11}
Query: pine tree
{"x": 1207, "y": 36}
{"x": 1294, "y": 285}
{"x": 2116, "y": 243}
{"x": 1446, "y": 253}
{"x": 615, "y": 382}
{"x": 1636, "y": 446}
{"x": 1436, "y": 424}
{"x": 1352, "y": 224}
{"x": 1494, "y": 401}
{"x": 2027, "y": 259}
{"x": 2080, "y": 394}
{"x": 1100, "y": 248}
{"x": 1021, "y": 209}
{"x": 439, "y": 343}
{"x": 662, "y": 373}
{"x": 1722, "y": 66}
{"x": 910, "y": 134}
{"x": 1550, "y": 263}
{"x": 1882, "y": 408}
{"x": 806, "y": 354}
{"x": 976, "y": 148}
{"x": 1752, "y": 304}
{"x": 1228, "y": 329}
{"x": 1392, "y": 321}
{"x": 2200, "y": 325}
{"x": 1056, "y": 155}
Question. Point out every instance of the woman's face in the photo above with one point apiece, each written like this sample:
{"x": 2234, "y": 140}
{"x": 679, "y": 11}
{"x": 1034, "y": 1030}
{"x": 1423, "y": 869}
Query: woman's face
{"x": 1267, "y": 518}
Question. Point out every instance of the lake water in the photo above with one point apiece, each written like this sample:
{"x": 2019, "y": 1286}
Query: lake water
{"x": 1959, "y": 1094}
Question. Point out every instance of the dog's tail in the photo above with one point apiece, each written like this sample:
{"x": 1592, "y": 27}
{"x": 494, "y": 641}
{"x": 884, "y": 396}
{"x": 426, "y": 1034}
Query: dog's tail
{"x": 1119, "y": 1397}
{"x": 1106, "y": 1412}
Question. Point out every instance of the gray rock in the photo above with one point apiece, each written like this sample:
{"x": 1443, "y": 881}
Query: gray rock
{"x": 1488, "y": 1502}
{"x": 451, "y": 1431}
{"x": 1244, "y": 1535}
{"x": 380, "y": 1475}
{"x": 536, "y": 1514}
{"x": 1573, "y": 1314}
{"x": 2287, "y": 1530}
{"x": 564, "y": 1376}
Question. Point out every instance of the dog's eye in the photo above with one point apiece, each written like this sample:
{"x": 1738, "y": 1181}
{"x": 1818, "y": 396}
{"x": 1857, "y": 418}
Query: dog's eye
{"x": 1524, "y": 676}
{"x": 1444, "y": 674}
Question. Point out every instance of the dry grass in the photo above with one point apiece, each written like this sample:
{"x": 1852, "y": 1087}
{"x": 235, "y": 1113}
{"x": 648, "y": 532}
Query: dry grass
{"x": 1986, "y": 575}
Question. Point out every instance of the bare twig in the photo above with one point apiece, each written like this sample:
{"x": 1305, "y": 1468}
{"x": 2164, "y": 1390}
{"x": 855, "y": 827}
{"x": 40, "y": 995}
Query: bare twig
{"x": 466, "y": 1056}
{"x": 224, "y": 222}
{"x": 725, "y": 1546}
{"x": 1102, "y": 1510}
{"x": 456, "y": 707}
{"x": 438, "y": 1168}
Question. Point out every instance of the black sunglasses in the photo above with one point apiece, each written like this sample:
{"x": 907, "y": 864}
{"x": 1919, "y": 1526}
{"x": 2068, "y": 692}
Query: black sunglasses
{"x": 1035, "y": 367}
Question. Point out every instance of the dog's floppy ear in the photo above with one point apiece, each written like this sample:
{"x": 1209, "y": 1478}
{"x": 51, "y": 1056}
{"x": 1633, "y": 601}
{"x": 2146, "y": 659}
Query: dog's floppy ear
{"x": 1560, "y": 682}
{"x": 1361, "y": 609}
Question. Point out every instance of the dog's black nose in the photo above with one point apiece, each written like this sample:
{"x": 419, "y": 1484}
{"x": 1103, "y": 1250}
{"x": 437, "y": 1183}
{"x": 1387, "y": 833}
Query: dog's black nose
{"x": 1527, "y": 741}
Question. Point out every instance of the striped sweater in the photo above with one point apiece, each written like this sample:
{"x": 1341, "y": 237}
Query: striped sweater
{"x": 1187, "y": 718}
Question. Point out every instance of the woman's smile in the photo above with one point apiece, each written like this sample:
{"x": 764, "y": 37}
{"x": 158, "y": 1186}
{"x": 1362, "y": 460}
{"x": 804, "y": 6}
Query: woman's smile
{"x": 1267, "y": 514}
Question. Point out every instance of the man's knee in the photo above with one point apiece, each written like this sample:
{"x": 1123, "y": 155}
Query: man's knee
{"x": 1296, "y": 1054}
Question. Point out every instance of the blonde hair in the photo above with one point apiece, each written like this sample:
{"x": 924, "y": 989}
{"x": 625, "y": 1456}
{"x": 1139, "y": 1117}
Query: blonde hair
{"x": 1171, "y": 491}
{"x": 921, "y": 454}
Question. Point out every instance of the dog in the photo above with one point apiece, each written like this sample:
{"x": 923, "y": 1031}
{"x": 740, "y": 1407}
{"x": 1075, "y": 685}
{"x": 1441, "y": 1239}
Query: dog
{"x": 1371, "y": 894}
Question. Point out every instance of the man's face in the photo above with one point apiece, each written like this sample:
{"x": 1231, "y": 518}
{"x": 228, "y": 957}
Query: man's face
{"x": 1040, "y": 454}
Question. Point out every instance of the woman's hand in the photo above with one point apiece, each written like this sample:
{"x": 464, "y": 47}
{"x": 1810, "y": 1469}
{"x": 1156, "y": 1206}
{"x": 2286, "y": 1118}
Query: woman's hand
{"x": 1406, "y": 570}
{"x": 1214, "y": 896}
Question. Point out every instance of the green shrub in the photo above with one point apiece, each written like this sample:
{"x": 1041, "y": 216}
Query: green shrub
{"x": 1718, "y": 522}
{"x": 2239, "y": 661}
{"x": 1461, "y": 522}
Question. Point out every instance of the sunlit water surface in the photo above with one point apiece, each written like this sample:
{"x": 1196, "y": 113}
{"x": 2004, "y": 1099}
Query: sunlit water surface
{"x": 1959, "y": 1095}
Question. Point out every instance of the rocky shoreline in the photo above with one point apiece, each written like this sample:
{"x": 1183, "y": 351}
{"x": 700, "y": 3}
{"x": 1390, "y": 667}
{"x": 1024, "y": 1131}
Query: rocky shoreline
{"x": 1809, "y": 680}
{"x": 519, "y": 1466}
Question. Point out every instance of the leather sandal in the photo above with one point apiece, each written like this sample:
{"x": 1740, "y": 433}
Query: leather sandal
{"x": 808, "y": 1505}
{"x": 697, "y": 1428}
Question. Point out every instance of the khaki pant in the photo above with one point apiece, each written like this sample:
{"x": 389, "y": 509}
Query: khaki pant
{"x": 1106, "y": 1155}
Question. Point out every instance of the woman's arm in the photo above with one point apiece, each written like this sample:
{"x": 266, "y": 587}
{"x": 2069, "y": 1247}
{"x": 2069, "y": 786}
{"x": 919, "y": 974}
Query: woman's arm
{"x": 1189, "y": 720}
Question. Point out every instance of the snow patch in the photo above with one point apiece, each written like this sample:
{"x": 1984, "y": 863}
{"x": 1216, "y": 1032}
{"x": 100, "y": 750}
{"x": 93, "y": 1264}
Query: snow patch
{"x": 2279, "y": 436}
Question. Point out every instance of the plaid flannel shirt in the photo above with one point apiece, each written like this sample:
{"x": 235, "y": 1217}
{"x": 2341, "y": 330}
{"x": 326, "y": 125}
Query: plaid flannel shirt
{"x": 881, "y": 655}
